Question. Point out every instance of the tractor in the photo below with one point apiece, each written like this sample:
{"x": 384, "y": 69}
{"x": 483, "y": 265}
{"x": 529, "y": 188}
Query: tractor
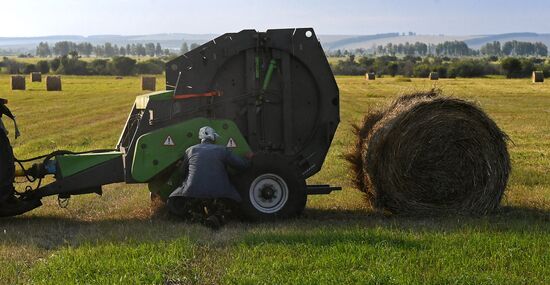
{"x": 270, "y": 92}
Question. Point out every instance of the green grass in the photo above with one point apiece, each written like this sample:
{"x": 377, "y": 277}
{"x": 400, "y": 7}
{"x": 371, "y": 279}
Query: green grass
{"x": 114, "y": 239}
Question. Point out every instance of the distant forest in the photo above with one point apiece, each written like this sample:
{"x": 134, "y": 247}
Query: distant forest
{"x": 450, "y": 48}
{"x": 450, "y": 59}
{"x": 447, "y": 48}
{"x": 106, "y": 50}
{"x": 446, "y": 67}
{"x": 513, "y": 59}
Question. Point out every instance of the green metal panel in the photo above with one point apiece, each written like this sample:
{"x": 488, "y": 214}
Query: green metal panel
{"x": 70, "y": 164}
{"x": 142, "y": 100}
{"x": 157, "y": 150}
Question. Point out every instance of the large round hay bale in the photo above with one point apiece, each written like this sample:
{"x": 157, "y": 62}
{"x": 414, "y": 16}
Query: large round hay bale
{"x": 53, "y": 83}
{"x": 17, "y": 82}
{"x": 538, "y": 77}
{"x": 149, "y": 83}
{"x": 36, "y": 77}
{"x": 427, "y": 154}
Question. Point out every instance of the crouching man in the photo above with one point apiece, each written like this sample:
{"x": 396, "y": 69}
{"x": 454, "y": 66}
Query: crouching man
{"x": 206, "y": 194}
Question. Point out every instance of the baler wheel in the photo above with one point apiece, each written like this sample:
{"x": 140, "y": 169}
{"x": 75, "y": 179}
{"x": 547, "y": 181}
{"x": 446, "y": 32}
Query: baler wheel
{"x": 271, "y": 188}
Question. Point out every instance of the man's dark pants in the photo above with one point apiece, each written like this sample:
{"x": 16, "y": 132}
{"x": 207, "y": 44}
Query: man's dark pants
{"x": 194, "y": 208}
{"x": 7, "y": 167}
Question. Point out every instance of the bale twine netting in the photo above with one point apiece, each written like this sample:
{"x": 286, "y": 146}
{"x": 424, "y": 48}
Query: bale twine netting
{"x": 427, "y": 154}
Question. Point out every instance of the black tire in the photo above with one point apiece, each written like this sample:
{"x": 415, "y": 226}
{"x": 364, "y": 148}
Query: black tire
{"x": 262, "y": 189}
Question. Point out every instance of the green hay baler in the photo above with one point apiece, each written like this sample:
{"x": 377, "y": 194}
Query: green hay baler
{"x": 271, "y": 92}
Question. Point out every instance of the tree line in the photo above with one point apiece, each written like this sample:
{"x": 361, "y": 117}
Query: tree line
{"x": 108, "y": 49}
{"x": 101, "y": 50}
{"x": 72, "y": 64}
{"x": 447, "y": 67}
{"x": 514, "y": 48}
{"x": 449, "y": 48}
{"x": 67, "y": 59}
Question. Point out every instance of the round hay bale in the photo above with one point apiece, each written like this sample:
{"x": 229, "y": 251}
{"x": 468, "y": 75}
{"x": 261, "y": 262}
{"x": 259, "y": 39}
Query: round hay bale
{"x": 36, "y": 77}
{"x": 17, "y": 82}
{"x": 370, "y": 76}
{"x": 149, "y": 83}
{"x": 538, "y": 77}
{"x": 428, "y": 155}
{"x": 53, "y": 83}
{"x": 434, "y": 75}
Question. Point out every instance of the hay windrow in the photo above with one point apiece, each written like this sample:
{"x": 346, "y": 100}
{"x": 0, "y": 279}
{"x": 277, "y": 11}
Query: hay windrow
{"x": 427, "y": 154}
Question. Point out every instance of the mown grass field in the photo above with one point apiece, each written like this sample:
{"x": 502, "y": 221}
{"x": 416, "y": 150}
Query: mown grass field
{"x": 114, "y": 239}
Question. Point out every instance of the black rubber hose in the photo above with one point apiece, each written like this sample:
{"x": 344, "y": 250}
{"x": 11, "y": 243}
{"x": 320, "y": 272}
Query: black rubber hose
{"x": 59, "y": 152}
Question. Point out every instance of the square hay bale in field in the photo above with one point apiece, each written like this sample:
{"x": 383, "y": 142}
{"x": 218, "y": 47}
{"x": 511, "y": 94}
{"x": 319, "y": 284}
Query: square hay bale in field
{"x": 53, "y": 83}
{"x": 149, "y": 83}
{"x": 17, "y": 82}
{"x": 370, "y": 76}
{"x": 434, "y": 75}
{"x": 538, "y": 77}
{"x": 36, "y": 77}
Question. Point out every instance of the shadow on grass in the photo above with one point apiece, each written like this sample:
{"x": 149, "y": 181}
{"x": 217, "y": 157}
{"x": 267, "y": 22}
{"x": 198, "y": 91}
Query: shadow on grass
{"x": 520, "y": 212}
{"x": 53, "y": 232}
{"x": 504, "y": 212}
{"x": 325, "y": 225}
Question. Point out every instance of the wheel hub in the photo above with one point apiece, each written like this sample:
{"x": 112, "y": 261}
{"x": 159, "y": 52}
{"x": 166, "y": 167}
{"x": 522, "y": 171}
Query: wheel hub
{"x": 269, "y": 193}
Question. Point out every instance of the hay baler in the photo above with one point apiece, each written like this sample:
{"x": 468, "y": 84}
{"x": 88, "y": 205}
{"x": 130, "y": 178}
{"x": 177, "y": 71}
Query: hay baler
{"x": 271, "y": 92}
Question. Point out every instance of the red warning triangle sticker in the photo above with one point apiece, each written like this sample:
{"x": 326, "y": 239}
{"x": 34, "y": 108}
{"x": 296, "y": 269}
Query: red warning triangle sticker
{"x": 231, "y": 143}
{"x": 169, "y": 141}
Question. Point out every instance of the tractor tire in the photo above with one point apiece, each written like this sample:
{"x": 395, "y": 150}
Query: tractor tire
{"x": 272, "y": 188}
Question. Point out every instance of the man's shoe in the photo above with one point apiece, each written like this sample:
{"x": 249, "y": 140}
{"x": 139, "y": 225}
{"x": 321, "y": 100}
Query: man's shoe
{"x": 212, "y": 222}
{"x": 222, "y": 219}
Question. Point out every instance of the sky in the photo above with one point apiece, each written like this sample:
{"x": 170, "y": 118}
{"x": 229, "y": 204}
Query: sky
{"x": 23, "y": 18}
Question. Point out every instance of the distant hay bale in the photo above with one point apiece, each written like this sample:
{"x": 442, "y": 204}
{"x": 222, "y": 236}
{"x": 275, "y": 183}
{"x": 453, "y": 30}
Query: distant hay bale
{"x": 17, "y": 82}
{"x": 538, "y": 77}
{"x": 149, "y": 83}
{"x": 53, "y": 83}
{"x": 370, "y": 76}
{"x": 36, "y": 77}
{"x": 434, "y": 75}
{"x": 427, "y": 155}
